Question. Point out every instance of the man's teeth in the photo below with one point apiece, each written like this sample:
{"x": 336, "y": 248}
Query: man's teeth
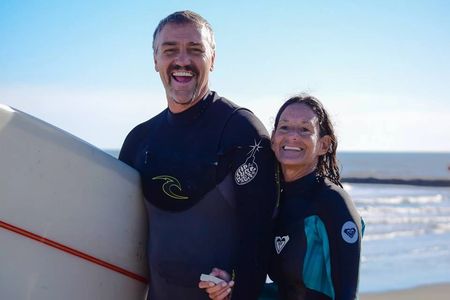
{"x": 292, "y": 148}
{"x": 182, "y": 73}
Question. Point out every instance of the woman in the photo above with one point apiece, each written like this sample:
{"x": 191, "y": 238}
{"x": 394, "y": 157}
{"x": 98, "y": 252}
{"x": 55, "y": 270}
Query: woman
{"x": 317, "y": 234}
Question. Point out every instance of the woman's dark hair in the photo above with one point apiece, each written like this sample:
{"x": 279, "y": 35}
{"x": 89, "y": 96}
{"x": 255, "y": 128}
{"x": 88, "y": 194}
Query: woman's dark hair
{"x": 327, "y": 165}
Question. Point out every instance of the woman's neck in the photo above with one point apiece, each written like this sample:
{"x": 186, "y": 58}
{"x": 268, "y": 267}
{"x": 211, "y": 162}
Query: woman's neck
{"x": 293, "y": 173}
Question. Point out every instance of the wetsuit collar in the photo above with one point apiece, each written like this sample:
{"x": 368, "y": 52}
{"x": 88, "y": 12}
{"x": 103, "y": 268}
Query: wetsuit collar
{"x": 190, "y": 115}
{"x": 300, "y": 185}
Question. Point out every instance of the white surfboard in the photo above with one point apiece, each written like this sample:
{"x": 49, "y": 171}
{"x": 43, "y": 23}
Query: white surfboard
{"x": 72, "y": 218}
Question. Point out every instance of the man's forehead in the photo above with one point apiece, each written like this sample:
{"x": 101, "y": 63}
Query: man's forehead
{"x": 183, "y": 31}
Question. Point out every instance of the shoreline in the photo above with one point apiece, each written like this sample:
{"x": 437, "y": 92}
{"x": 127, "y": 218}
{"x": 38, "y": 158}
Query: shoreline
{"x": 437, "y": 291}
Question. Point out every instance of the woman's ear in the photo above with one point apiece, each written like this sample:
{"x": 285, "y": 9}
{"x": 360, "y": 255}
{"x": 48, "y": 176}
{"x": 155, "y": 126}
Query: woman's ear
{"x": 324, "y": 144}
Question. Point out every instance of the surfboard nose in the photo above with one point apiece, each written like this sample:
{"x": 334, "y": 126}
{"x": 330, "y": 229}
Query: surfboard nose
{"x": 5, "y": 115}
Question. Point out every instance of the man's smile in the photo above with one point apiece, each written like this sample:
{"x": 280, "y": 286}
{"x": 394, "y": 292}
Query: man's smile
{"x": 182, "y": 76}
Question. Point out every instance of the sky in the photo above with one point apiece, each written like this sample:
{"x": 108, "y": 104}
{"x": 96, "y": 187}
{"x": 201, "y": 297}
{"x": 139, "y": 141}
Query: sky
{"x": 381, "y": 68}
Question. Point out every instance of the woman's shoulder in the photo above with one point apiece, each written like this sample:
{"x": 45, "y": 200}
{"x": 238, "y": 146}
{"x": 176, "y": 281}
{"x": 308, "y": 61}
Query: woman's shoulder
{"x": 332, "y": 197}
{"x": 330, "y": 191}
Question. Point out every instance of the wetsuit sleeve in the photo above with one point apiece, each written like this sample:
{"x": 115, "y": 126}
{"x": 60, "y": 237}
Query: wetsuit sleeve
{"x": 343, "y": 226}
{"x": 129, "y": 148}
{"x": 253, "y": 171}
{"x": 126, "y": 154}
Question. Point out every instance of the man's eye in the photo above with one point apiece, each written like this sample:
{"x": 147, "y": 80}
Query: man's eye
{"x": 197, "y": 50}
{"x": 169, "y": 51}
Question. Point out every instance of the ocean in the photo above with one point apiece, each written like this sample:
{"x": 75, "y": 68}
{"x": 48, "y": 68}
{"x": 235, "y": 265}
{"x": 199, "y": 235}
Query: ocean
{"x": 407, "y": 237}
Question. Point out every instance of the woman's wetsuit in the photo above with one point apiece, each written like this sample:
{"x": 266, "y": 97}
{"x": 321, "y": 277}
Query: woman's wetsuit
{"x": 317, "y": 242}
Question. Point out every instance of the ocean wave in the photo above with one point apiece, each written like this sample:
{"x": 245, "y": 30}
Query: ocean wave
{"x": 393, "y": 235}
{"x": 347, "y": 186}
{"x": 407, "y": 220}
{"x": 386, "y": 232}
{"x": 401, "y": 181}
{"x": 395, "y": 200}
{"x": 388, "y": 210}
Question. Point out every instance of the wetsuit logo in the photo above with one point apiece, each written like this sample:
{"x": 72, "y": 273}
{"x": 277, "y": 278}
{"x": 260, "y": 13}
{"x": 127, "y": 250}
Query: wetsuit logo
{"x": 280, "y": 242}
{"x": 249, "y": 169}
{"x": 171, "y": 183}
{"x": 349, "y": 232}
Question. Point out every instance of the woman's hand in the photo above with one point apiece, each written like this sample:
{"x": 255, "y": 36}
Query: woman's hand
{"x": 220, "y": 291}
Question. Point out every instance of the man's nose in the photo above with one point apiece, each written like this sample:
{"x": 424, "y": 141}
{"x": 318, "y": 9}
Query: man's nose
{"x": 183, "y": 59}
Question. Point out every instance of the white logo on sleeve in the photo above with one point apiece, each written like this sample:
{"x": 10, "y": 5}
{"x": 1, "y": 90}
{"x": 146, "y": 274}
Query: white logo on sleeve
{"x": 280, "y": 242}
{"x": 349, "y": 232}
{"x": 249, "y": 169}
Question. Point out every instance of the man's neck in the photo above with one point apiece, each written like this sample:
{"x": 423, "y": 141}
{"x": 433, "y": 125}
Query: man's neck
{"x": 177, "y": 108}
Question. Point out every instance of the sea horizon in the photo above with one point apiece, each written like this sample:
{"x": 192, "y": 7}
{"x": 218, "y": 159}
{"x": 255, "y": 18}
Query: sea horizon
{"x": 382, "y": 167}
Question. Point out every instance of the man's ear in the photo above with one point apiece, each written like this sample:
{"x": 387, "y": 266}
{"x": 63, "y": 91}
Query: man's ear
{"x": 213, "y": 58}
{"x": 155, "y": 61}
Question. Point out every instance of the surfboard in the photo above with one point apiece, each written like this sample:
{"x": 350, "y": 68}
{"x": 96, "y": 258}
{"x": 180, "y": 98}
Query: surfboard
{"x": 72, "y": 217}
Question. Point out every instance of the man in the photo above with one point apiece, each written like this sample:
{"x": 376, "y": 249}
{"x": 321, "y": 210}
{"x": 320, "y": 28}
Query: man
{"x": 207, "y": 171}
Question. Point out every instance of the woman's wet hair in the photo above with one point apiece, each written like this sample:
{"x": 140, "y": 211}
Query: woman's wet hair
{"x": 327, "y": 165}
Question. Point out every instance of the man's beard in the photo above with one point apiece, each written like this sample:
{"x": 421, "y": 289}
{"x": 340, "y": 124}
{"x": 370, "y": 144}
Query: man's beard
{"x": 194, "y": 94}
{"x": 189, "y": 68}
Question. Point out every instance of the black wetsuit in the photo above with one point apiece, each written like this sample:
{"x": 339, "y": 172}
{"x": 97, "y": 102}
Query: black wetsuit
{"x": 317, "y": 242}
{"x": 208, "y": 176}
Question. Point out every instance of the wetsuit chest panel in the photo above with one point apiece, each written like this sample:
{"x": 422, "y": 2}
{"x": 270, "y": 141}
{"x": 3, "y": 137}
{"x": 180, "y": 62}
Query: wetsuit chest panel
{"x": 180, "y": 162}
{"x": 179, "y": 170}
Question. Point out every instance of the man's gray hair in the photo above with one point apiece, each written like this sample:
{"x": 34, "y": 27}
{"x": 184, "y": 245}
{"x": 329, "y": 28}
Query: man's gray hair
{"x": 185, "y": 17}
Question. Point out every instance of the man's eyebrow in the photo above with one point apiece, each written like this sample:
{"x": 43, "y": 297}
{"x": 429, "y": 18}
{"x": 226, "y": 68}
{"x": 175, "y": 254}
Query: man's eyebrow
{"x": 195, "y": 44}
{"x": 168, "y": 43}
{"x": 173, "y": 43}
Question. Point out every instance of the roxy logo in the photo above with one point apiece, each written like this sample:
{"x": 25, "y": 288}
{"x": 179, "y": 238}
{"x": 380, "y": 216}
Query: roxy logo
{"x": 280, "y": 242}
{"x": 349, "y": 232}
{"x": 249, "y": 169}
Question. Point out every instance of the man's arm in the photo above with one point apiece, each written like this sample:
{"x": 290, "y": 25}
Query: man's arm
{"x": 256, "y": 194}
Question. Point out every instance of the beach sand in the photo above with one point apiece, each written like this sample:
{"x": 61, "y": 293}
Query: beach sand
{"x": 426, "y": 292}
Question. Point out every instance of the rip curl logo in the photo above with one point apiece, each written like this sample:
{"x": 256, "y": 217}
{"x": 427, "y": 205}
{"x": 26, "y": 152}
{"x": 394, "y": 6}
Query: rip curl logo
{"x": 249, "y": 169}
{"x": 349, "y": 232}
{"x": 280, "y": 242}
{"x": 170, "y": 185}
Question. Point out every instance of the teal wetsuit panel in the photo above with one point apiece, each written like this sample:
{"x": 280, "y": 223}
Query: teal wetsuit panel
{"x": 317, "y": 267}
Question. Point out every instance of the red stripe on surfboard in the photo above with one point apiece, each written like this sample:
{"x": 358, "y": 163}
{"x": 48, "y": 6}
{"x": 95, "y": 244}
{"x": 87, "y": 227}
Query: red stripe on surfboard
{"x": 72, "y": 251}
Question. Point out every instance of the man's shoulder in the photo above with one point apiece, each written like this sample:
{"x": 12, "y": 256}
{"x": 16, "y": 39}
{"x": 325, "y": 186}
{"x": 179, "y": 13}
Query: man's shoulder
{"x": 238, "y": 115}
{"x": 149, "y": 124}
{"x": 224, "y": 102}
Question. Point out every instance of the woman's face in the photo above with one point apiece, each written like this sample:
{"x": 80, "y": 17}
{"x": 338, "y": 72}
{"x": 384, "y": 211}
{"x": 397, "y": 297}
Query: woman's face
{"x": 296, "y": 141}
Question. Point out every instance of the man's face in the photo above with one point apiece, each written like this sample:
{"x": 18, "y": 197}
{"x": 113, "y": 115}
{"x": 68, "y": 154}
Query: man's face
{"x": 183, "y": 57}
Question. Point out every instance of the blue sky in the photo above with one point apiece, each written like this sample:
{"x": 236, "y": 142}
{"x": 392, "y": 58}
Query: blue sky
{"x": 382, "y": 68}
